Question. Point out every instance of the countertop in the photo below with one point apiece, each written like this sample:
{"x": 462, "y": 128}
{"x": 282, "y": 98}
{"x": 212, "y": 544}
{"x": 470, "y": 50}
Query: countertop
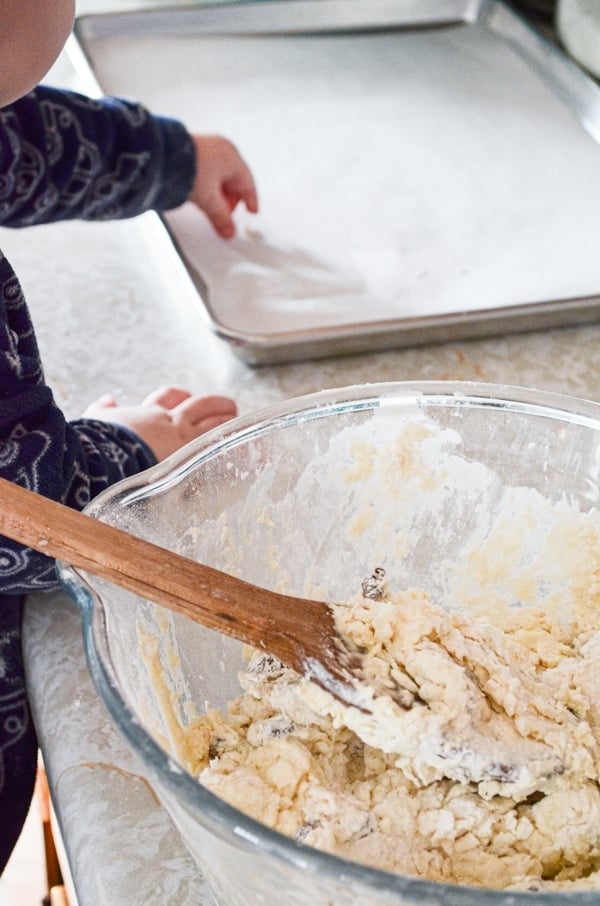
{"x": 116, "y": 324}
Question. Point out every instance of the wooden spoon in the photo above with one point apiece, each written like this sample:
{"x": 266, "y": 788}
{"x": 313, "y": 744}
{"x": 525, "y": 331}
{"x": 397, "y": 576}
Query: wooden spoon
{"x": 300, "y": 632}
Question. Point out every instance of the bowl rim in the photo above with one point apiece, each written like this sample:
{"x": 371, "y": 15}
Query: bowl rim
{"x": 215, "y": 814}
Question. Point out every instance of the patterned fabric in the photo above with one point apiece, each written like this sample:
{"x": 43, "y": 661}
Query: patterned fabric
{"x": 62, "y": 156}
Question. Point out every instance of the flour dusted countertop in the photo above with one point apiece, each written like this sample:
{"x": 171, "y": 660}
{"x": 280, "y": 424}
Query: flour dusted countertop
{"x": 122, "y": 319}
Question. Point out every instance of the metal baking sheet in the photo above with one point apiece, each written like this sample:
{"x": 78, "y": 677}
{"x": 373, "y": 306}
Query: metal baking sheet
{"x": 428, "y": 169}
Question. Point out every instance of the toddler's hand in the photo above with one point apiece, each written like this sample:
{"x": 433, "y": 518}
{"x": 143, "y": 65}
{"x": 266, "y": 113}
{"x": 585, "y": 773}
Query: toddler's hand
{"x": 168, "y": 418}
{"x": 223, "y": 179}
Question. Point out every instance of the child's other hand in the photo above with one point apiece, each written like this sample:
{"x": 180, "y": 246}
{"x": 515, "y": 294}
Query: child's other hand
{"x": 223, "y": 180}
{"x": 168, "y": 418}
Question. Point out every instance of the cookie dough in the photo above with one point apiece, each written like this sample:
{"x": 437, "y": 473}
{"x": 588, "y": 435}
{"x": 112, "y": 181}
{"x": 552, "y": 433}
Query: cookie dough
{"x": 476, "y": 759}
{"x": 490, "y": 778}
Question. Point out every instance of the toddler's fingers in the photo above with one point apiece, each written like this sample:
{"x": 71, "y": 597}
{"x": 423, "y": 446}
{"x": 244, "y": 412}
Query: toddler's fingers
{"x": 222, "y": 223}
{"x": 199, "y": 409}
{"x": 242, "y": 188}
{"x": 219, "y": 209}
{"x": 106, "y": 401}
{"x": 207, "y": 424}
{"x": 220, "y": 206}
{"x": 167, "y": 396}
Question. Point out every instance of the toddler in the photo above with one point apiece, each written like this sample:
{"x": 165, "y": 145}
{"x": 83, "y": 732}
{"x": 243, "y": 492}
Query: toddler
{"x": 63, "y": 155}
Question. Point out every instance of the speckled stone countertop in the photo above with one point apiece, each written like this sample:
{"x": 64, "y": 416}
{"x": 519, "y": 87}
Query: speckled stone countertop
{"x": 119, "y": 321}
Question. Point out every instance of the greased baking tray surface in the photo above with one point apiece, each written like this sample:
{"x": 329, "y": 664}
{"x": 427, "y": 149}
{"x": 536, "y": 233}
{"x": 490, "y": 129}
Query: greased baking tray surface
{"x": 427, "y": 170}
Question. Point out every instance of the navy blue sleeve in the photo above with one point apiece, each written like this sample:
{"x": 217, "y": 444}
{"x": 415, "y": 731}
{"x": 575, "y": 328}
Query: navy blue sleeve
{"x": 41, "y": 450}
{"x": 63, "y": 156}
{"x": 66, "y": 156}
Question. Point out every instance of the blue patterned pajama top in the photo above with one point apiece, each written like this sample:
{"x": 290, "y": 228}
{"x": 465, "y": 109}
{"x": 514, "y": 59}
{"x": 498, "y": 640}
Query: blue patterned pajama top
{"x": 62, "y": 156}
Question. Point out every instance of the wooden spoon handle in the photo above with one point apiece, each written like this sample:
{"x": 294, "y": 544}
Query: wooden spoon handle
{"x": 260, "y": 617}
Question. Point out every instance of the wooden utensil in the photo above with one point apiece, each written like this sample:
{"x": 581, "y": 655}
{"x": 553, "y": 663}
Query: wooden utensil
{"x": 300, "y": 632}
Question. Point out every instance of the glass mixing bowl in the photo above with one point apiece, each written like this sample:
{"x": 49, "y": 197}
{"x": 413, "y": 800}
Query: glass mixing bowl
{"x": 308, "y": 497}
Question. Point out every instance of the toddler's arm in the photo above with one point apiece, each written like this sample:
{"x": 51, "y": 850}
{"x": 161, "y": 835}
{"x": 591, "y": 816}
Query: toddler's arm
{"x": 66, "y": 156}
{"x": 63, "y": 156}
